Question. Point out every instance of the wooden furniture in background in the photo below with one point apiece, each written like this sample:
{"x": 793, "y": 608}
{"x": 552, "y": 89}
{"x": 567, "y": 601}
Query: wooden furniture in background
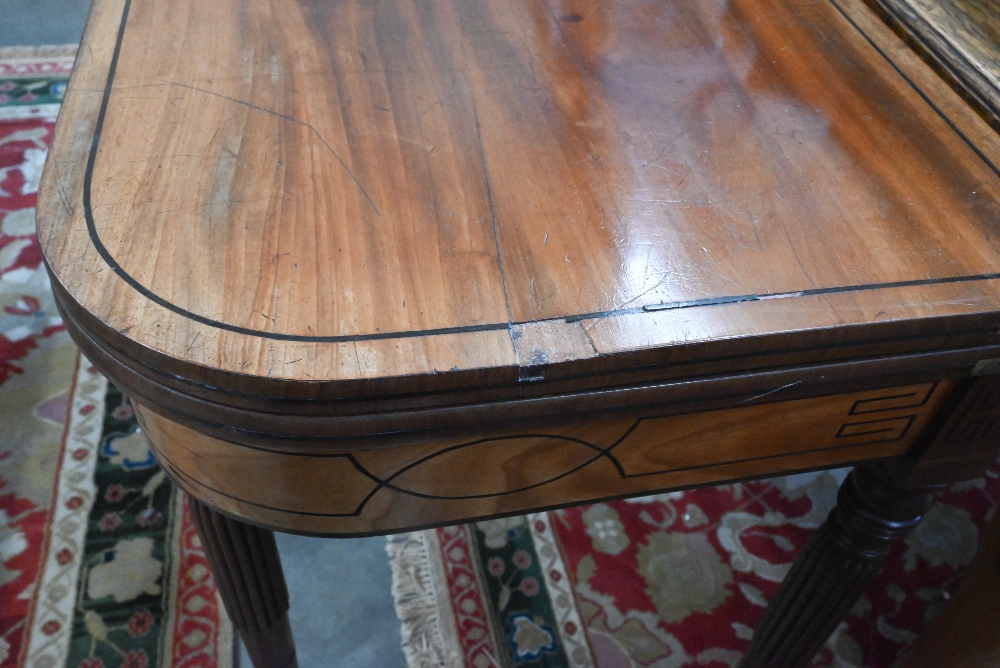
{"x": 368, "y": 266}
{"x": 959, "y": 39}
{"x": 966, "y": 634}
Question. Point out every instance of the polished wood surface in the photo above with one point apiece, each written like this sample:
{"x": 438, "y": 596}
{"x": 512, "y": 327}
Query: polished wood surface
{"x": 290, "y": 201}
{"x": 367, "y": 265}
{"x": 505, "y": 471}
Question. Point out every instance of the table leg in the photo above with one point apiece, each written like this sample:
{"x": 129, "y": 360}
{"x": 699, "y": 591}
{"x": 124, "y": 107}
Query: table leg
{"x": 878, "y": 504}
{"x": 835, "y": 566}
{"x": 244, "y": 560}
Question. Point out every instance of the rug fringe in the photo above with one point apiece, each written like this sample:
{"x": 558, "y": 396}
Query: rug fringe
{"x": 418, "y": 605}
{"x": 36, "y": 52}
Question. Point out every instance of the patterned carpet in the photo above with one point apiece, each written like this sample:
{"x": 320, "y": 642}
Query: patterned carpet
{"x": 100, "y": 565}
{"x": 665, "y": 581}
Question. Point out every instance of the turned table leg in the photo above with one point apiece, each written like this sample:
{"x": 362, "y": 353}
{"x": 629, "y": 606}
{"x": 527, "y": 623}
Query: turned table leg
{"x": 835, "y": 566}
{"x": 244, "y": 560}
{"x": 878, "y": 504}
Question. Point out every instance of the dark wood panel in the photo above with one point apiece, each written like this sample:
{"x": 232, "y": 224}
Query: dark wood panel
{"x": 247, "y": 570}
{"x": 343, "y": 432}
{"x": 966, "y": 633}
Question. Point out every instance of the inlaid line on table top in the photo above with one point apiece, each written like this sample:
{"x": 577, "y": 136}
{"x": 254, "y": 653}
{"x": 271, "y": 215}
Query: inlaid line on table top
{"x": 711, "y": 301}
{"x": 335, "y": 192}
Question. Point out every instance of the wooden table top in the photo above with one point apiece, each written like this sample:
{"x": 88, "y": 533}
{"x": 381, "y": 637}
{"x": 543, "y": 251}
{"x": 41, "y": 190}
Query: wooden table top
{"x": 305, "y": 198}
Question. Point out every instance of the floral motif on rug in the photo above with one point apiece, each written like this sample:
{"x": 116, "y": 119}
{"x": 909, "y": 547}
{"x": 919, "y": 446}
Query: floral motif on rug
{"x": 37, "y": 359}
{"x": 664, "y": 581}
{"x": 100, "y": 565}
{"x": 33, "y": 80}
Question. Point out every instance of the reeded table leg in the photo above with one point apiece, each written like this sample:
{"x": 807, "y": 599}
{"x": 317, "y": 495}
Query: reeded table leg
{"x": 835, "y": 566}
{"x": 247, "y": 570}
{"x": 878, "y": 504}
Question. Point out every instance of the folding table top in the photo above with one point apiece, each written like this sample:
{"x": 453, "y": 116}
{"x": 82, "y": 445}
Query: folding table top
{"x": 485, "y": 192}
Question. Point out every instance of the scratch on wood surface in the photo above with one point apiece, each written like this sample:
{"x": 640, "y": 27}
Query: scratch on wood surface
{"x": 297, "y": 122}
{"x": 191, "y": 344}
{"x": 777, "y": 389}
{"x": 493, "y": 213}
{"x": 274, "y": 328}
{"x": 61, "y": 189}
{"x": 437, "y": 102}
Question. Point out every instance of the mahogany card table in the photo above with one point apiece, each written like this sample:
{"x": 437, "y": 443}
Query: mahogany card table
{"x": 367, "y": 266}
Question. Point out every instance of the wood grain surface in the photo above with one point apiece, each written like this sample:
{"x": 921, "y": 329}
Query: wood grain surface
{"x": 966, "y": 633}
{"x": 503, "y": 471}
{"x": 264, "y": 196}
{"x": 959, "y": 38}
{"x": 367, "y": 265}
{"x": 247, "y": 571}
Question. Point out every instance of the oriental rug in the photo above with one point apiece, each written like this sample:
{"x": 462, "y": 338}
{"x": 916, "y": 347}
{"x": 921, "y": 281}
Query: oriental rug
{"x": 663, "y": 581}
{"x": 100, "y": 565}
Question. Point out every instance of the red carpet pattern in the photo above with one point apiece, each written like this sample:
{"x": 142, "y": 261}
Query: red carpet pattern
{"x": 665, "y": 581}
{"x": 100, "y": 566}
